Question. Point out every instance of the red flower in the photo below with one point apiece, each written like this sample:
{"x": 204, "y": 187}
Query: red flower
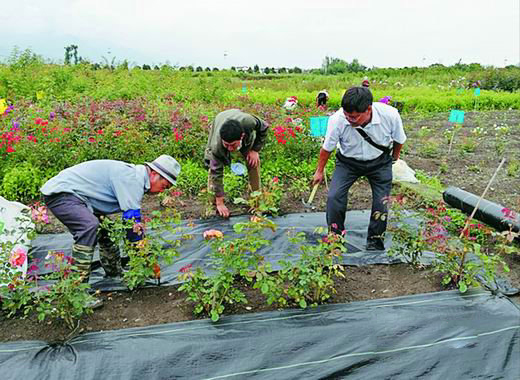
{"x": 10, "y": 149}
{"x": 276, "y": 180}
{"x": 157, "y": 270}
{"x": 44, "y": 123}
{"x": 186, "y": 268}
{"x": 99, "y": 131}
{"x": 38, "y": 120}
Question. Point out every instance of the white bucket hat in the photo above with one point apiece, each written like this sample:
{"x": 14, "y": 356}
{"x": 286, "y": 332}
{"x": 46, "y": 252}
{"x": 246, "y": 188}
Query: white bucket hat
{"x": 167, "y": 167}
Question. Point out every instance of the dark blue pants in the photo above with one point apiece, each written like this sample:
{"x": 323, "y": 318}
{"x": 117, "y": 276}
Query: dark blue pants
{"x": 348, "y": 170}
{"x": 74, "y": 214}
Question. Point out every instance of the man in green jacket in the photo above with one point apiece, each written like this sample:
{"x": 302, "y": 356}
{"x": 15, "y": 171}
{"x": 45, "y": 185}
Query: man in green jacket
{"x": 233, "y": 131}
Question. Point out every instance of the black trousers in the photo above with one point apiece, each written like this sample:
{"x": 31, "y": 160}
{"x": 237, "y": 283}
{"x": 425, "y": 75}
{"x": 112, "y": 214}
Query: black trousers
{"x": 379, "y": 174}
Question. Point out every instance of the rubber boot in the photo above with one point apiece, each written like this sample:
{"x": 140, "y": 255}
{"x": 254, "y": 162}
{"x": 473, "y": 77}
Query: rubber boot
{"x": 82, "y": 255}
{"x": 110, "y": 258}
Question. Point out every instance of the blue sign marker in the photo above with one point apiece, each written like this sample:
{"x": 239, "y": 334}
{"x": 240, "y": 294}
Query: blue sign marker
{"x": 477, "y": 91}
{"x": 457, "y": 116}
{"x": 319, "y": 125}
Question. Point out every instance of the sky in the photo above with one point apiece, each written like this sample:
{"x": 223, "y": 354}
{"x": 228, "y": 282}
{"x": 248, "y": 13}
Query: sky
{"x": 272, "y": 33}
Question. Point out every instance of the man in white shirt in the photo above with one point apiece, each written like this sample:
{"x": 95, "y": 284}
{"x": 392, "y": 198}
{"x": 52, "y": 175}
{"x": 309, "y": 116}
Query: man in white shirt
{"x": 369, "y": 137}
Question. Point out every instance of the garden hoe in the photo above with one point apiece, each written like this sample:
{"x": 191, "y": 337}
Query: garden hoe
{"x": 308, "y": 203}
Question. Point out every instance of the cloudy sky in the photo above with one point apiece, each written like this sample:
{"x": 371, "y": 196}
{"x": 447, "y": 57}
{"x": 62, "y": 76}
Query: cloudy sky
{"x": 274, "y": 33}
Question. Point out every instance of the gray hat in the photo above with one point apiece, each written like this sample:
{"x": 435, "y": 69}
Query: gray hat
{"x": 167, "y": 167}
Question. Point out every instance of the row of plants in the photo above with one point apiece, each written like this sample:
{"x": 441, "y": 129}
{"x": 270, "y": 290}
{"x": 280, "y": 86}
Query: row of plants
{"x": 464, "y": 253}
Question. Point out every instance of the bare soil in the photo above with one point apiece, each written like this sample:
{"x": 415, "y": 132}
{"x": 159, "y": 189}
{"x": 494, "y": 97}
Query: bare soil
{"x": 426, "y": 149}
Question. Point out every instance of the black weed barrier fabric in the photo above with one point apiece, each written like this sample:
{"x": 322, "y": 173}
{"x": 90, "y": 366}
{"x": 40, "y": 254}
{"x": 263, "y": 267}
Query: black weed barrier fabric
{"x": 195, "y": 251}
{"x": 488, "y": 212}
{"x": 442, "y": 335}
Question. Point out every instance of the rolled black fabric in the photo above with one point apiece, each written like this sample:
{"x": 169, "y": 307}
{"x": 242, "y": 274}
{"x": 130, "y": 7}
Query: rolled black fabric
{"x": 496, "y": 215}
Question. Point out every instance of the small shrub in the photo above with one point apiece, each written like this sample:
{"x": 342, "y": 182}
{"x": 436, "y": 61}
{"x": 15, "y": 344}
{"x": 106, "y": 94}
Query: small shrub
{"x": 22, "y": 183}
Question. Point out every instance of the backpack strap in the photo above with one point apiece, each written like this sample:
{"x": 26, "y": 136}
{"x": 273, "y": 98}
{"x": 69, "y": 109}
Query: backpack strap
{"x": 367, "y": 138}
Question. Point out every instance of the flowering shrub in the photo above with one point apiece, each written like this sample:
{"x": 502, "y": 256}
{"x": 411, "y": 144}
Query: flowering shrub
{"x": 230, "y": 258}
{"x": 146, "y": 254}
{"x": 66, "y": 298}
{"x": 310, "y": 280}
{"x": 460, "y": 261}
{"x": 265, "y": 201}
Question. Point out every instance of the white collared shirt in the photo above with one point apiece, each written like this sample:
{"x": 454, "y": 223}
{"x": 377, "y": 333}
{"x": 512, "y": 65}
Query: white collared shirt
{"x": 385, "y": 127}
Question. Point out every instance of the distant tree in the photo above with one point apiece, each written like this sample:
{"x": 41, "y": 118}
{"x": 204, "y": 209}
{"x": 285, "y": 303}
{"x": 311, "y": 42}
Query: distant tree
{"x": 156, "y": 67}
{"x": 297, "y": 70}
{"x": 267, "y": 70}
{"x": 71, "y": 51}
{"x": 146, "y": 67}
{"x": 249, "y": 70}
{"x": 332, "y": 65}
{"x": 207, "y": 69}
{"x": 199, "y": 68}
{"x": 256, "y": 69}
{"x": 273, "y": 71}
{"x": 182, "y": 68}
{"x": 215, "y": 69}
{"x": 290, "y": 71}
{"x": 282, "y": 70}
{"x": 190, "y": 68}
{"x": 233, "y": 68}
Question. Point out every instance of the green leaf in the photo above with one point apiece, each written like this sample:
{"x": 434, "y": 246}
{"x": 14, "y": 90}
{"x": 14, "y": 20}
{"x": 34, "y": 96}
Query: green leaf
{"x": 264, "y": 288}
{"x": 214, "y": 316}
{"x": 303, "y": 304}
{"x": 463, "y": 287}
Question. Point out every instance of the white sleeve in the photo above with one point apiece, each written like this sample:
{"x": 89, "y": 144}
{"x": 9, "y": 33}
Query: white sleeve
{"x": 332, "y": 135}
{"x": 398, "y": 134}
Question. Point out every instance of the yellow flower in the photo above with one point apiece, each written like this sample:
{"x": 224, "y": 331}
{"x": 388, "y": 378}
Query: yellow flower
{"x": 40, "y": 95}
{"x": 3, "y": 106}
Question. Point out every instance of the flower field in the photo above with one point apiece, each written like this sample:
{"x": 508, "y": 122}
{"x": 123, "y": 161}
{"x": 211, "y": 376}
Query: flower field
{"x": 55, "y": 116}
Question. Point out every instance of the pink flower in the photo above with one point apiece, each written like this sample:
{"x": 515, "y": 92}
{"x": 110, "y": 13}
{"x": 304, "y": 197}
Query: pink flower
{"x": 39, "y": 213}
{"x": 508, "y": 214}
{"x": 38, "y": 120}
{"x": 213, "y": 234}
{"x": 186, "y": 268}
{"x": 18, "y": 257}
{"x": 276, "y": 180}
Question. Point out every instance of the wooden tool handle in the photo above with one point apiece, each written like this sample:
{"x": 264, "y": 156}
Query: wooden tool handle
{"x": 313, "y": 193}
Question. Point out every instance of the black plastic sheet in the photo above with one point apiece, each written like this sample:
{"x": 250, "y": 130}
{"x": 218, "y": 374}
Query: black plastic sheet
{"x": 196, "y": 250}
{"x": 442, "y": 335}
{"x": 487, "y": 212}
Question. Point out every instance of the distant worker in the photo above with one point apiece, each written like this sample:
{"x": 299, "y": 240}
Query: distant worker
{"x": 233, "y": 131}
{"x": 369, "y": 138}
{"x": 365, "y": 83}
{"x": 322, "y": 98}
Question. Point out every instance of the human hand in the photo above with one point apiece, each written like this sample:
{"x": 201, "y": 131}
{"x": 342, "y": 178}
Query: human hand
{"x": 222, "y": 210}
{"x": 318, "y": 177}
{"x": 253, "y": 158}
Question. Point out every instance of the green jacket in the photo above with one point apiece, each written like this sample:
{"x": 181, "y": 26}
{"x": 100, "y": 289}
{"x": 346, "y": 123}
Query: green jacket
{"x": 216, "y": 156}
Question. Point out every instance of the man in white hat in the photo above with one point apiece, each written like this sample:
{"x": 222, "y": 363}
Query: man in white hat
{"x": 78, "y": 196}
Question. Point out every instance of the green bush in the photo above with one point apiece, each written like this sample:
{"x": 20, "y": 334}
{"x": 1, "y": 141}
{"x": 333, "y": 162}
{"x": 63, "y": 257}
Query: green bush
{"x": 193, "y": 178}
{"x": 22, "y": 183}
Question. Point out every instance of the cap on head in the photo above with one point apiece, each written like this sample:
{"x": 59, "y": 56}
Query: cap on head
{"x": 167, "y": 167}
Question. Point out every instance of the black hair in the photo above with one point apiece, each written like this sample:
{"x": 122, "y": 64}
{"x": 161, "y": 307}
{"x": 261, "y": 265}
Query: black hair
{"x": 357, "y": 99}
{"x": 231, "y": 131}
{"x": 322, "y": 99}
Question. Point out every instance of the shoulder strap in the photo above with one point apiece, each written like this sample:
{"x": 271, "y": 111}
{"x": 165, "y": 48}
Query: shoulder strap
{"x": 367, "y": 138}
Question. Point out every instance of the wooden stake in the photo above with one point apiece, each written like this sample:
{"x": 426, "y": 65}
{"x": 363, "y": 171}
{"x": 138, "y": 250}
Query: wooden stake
{"x": 481, "y": 197}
